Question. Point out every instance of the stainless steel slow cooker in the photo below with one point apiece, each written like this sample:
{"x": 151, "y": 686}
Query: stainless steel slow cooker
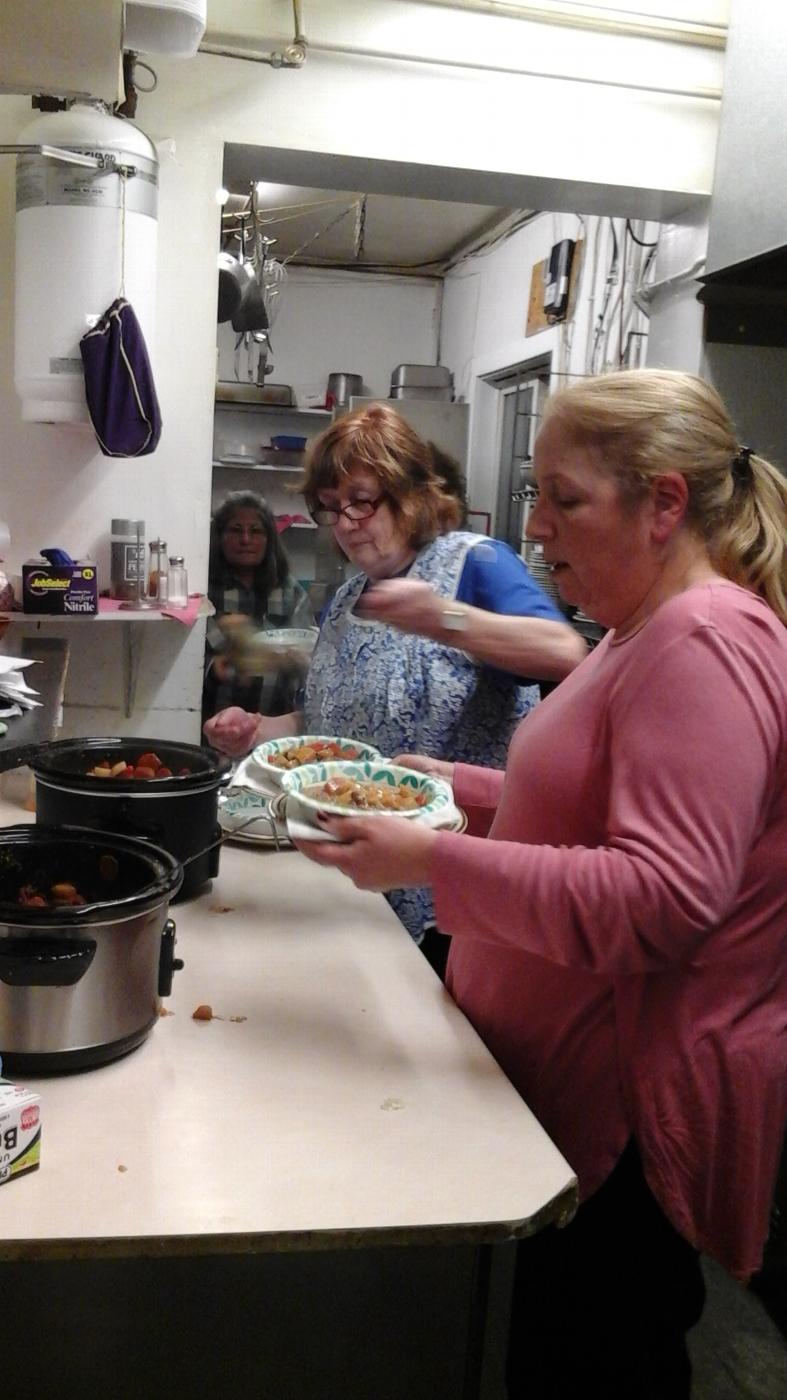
{"x": 81, "y": 984}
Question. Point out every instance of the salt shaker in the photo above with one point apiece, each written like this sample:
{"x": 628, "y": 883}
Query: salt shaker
{"x": 158, "y": 571}
{"x": 178, "y": 581}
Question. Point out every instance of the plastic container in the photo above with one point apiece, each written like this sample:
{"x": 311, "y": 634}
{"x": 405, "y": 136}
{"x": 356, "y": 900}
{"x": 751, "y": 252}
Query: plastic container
{"x": 127, "y": 558}
{"x": 287, "y": 442}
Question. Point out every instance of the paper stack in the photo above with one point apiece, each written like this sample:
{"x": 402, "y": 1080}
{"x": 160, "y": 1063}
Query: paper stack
{"x": 15, "y": 694}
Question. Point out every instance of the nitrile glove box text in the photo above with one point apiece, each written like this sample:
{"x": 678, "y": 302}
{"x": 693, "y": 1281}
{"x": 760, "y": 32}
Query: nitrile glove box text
{"x": 60, "y": 589}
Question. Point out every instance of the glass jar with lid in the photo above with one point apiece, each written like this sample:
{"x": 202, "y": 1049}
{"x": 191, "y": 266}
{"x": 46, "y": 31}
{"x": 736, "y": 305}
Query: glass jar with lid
{"x": 178, "y": 581}
{"x": 158, "y": 571}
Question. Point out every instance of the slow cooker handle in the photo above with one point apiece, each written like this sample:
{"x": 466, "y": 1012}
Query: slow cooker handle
{"x": 45, "y": 962}
{"x": 168, "y": 964}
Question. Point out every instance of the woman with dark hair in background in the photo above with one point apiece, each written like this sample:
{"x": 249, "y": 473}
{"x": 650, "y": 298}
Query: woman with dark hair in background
{"x": 249, "y": 582}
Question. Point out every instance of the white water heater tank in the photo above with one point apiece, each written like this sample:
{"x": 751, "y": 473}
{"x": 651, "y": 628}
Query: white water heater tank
{"x": 75, "y": 245}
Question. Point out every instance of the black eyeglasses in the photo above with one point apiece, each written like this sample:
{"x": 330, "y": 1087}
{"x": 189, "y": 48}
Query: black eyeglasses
{"x": 354, "y": 510}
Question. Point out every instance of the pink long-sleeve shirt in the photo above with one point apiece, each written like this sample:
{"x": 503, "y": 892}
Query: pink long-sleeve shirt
{"x": 620, "y": 940}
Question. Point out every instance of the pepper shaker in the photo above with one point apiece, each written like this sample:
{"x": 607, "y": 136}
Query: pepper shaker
{"x": 158, "y": 571}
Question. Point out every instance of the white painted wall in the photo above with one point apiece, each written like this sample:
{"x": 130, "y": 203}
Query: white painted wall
{"x": 352, "y": 121}
{"x": 484, "y": 319}
{"x": 57, "y": 488}
{"x": 355, "y": 322}
{"x": 603, "y": 128}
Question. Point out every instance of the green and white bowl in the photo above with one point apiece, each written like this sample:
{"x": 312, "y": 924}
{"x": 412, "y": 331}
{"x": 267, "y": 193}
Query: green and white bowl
{"x": 297, "y": 780}
{"x": 262, "y": 755}
{"x": 283, "y": 638}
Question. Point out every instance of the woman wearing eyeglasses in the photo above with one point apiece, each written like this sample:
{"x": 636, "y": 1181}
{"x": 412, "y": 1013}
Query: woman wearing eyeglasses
{"x": 434, "y": 645}
{"x": 249, "y": 578}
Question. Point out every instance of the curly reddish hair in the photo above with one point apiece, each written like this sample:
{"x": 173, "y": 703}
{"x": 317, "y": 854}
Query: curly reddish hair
{"x": 410, "y": 471}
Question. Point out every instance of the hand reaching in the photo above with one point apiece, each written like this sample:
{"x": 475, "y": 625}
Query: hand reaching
{"x": 408, "y": 604}
{"x": 234, "y": 731}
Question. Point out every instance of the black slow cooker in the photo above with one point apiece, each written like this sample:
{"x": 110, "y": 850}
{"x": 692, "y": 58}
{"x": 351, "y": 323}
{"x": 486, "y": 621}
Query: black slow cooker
{"x": 81, "y": 984}
{"x": 179, "y": 813}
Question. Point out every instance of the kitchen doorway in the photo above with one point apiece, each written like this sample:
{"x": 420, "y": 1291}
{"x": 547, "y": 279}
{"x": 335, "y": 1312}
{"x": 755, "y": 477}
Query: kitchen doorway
{"x": 523, "y": 391}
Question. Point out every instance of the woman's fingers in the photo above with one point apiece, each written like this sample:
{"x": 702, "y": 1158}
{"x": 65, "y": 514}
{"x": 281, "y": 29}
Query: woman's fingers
{"x": 232, "y": 731}
{"x": 421, "y": 763}
{"x": 376, "y": 852}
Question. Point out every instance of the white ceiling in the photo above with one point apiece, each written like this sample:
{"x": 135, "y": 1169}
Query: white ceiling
{"x": 356, "y": 229}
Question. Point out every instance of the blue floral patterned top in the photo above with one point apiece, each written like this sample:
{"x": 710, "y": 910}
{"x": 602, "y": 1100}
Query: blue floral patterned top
{"x": 405, "y": 693}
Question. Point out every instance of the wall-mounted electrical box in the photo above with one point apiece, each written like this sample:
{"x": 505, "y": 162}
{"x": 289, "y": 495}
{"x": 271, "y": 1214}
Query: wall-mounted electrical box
{"x": 557, "y": 278}
{"x": 544, "y": 309}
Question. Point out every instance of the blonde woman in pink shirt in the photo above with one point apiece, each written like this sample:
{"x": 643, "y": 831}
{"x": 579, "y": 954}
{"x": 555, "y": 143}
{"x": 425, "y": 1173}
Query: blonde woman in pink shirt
{"x": 619, "y": 912}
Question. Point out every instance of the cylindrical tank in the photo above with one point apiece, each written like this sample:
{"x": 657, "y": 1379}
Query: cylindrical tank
{"x": 75, "y": 245}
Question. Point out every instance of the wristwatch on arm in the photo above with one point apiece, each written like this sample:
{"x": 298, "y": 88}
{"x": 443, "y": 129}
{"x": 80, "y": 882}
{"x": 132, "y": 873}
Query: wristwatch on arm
{"x": 454, "y": 617}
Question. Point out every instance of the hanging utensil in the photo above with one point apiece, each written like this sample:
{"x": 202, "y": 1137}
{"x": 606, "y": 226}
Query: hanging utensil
{"x": 231, "y": 280}
{"x": 251, "y": 314}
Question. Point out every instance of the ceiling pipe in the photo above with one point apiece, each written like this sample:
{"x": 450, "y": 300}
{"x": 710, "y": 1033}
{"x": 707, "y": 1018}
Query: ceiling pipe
{"x": 601, "y": 21}
{"x": 291, "y": 56}
{"x": 247, "y": 53}
{"x": 359, "y": 51}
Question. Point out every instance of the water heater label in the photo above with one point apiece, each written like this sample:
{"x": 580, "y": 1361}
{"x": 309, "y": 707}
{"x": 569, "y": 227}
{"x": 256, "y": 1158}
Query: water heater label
{"x": 64, "y": 365}
{"x": 41, "y": 181}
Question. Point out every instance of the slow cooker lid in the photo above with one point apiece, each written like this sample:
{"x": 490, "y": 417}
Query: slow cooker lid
{"x": 118, "y": 876}
{"x": 69, "y": 760}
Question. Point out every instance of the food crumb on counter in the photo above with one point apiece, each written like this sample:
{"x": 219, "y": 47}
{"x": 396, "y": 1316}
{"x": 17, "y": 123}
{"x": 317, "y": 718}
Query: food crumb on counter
{"x": 206, "y": 1013}
{"x": 121, "y": 1168}
{"x": 164, "y": 1011}
{"x": 221, "y": 909}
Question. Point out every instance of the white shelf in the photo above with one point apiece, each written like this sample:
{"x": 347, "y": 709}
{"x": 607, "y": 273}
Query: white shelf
{"x": 279, "y": 409}
{"x": 255, "y": 466}
{"x": 132, "y": 641}
{"x": 206, "y": 609}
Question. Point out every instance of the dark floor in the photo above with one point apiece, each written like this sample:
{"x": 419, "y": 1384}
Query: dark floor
{"x": 737, "y": 1349}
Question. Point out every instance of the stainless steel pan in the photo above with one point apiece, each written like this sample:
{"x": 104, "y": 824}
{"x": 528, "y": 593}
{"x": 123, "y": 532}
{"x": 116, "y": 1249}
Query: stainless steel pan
{"x": 251, "y": 314}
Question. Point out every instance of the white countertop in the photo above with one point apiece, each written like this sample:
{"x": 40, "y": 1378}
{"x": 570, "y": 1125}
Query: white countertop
{"x": 353, "y": 1105}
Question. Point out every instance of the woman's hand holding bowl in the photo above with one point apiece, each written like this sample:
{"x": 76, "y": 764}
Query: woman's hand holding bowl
{"x": 422, "y": 763}
{"x": 376, "y": 853}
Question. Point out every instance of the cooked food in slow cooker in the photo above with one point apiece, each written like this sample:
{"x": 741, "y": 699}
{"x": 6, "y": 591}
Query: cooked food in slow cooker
{"x": 378, "y": 797}
{"x": 58, "y": 896}
{"x": 312, "y": 753}
{"x": 147, "y": 766}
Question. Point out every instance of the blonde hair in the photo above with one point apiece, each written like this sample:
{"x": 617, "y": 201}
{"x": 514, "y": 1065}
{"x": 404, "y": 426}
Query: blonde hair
{"x": 648, "y": 422}
{"x": 409, "y": 470}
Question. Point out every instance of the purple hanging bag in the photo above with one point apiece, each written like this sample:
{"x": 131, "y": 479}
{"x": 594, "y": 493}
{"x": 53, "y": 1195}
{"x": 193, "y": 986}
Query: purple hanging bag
{"x": 121, "y": 395}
